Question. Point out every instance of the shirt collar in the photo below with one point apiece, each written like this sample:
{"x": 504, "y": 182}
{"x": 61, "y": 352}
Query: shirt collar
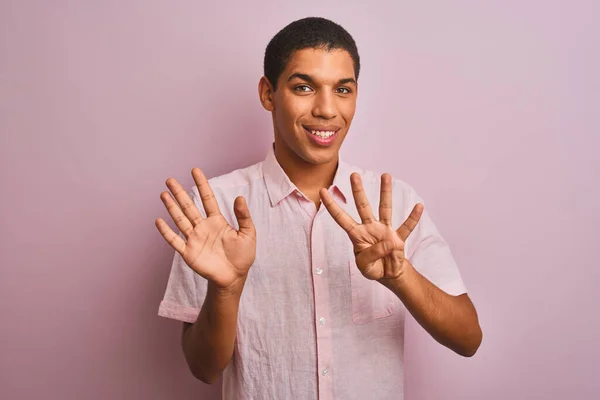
{"x": 279, "y": 186}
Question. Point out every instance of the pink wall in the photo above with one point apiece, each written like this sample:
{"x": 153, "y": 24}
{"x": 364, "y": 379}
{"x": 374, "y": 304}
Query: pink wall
{"x": 489, "y": 110}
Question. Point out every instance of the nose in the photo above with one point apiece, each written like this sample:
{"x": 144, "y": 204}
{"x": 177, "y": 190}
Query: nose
{"x": 324, "y": 106}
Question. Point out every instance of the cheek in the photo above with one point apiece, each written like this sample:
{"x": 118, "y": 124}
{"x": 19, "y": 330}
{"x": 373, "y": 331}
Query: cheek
{"x": 347, "y": 110}
{"x": 292, "y": 109}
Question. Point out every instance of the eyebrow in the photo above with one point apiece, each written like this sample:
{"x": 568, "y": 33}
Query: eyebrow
{"x": 307, "y": 78}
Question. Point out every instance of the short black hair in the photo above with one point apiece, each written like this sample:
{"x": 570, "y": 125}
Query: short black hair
{"x": 306, "y": 33}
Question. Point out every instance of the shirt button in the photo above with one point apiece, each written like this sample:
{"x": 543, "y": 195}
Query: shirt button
{"x": 325, "y": 371}
{"x": 319, "y": 271}
{"x": 322, "y": 321}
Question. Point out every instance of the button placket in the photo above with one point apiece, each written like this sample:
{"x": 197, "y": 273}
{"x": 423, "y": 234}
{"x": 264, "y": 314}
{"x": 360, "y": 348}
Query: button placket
{"x": 321, "y": 304}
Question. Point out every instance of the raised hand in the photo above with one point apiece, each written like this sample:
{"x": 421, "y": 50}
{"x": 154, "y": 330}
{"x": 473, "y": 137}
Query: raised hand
{"x": 211, "y": 247}
{"x": 378, "y": 248}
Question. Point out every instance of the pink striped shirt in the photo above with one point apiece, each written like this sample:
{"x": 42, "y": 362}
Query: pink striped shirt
{"x": 310, "y": 326}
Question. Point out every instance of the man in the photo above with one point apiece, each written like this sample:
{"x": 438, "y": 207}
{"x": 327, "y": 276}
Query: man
{"x": 290, "y": 300}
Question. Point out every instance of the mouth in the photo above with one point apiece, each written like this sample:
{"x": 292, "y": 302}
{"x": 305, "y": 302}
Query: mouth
{"x": 322, "y": 135}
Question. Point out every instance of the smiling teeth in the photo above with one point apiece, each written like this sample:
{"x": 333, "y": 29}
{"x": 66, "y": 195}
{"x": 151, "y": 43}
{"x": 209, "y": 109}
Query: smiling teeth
{"x": 323, "y": 134}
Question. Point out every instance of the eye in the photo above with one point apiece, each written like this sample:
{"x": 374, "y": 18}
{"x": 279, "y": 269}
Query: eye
{"x": 344, "y": 90}
{"x": 303, "y": 88}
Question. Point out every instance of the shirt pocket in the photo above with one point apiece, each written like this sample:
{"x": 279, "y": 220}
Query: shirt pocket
{"x": 370, "y": 299}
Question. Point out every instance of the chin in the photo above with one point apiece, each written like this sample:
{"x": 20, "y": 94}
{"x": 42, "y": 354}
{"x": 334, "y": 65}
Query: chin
{"x": 318, "y": 156}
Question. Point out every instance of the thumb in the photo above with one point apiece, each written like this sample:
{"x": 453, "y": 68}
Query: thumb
{"x": 242, "y": 214}
{"x": 374, "y": 253}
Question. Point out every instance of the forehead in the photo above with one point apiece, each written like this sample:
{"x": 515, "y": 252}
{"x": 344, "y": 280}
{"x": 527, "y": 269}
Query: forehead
{"x": 321, "y": 64}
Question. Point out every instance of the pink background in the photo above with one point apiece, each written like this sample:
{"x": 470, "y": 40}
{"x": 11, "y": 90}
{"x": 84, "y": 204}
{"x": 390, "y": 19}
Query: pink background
{"x": 489, "y": 110}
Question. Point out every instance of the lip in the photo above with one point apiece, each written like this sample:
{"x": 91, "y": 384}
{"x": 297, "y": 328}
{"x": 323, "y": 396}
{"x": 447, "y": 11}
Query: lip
{"x": 327, "y": 128}
{"x": 319, "y": 141}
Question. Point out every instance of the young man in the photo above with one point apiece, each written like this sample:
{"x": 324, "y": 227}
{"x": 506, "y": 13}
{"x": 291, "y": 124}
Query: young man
{"x": 290, "y": 300}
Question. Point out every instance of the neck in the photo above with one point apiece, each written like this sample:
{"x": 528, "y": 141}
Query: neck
{"x": 307, "y": 177}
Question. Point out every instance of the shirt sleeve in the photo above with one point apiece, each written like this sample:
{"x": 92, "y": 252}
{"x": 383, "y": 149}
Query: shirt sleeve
{"x": 429, "y": 253}
{"x": 186, "y": 289}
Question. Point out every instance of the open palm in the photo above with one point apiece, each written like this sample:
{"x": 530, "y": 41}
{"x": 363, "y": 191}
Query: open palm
{"x": 212, "y": 248}
{"x": 378, "y": 248}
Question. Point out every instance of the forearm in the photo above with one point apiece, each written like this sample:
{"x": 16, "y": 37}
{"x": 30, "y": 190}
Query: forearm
{"x": 208, "y": 344}
{"x": 451, "y": 320}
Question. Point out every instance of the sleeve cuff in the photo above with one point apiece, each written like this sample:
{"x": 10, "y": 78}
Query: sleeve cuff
{"x": 178, "y": 312}
{"x": 454, "y": 288}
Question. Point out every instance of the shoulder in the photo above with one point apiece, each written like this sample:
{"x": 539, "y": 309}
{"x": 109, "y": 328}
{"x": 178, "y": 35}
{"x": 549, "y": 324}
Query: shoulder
{"x": 242, "y": 177}
{"x": 236, "y": 182}
{"x": 372, "y": 182}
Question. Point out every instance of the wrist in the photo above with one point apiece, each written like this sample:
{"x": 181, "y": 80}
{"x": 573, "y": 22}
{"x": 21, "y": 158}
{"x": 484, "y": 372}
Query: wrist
{"x": 399, "y": 283}
{"x": 233, "y": 289}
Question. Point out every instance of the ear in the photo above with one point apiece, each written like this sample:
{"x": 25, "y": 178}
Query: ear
{"x": 266, "y": 94}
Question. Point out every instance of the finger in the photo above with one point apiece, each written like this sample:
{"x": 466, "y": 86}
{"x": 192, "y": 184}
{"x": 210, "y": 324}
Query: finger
{"x": 385, "y": 200}
{"x": 170, "y": 236}
{"x": 182, "y": 222}
{"x": 411, "y": 222}
{"x": 242, "y": 214}
{"x": 184, "y": 202}
{"x": 340, "y": 216}
{"x": 206, "y": 194}
{"x": 360, "y": 199}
